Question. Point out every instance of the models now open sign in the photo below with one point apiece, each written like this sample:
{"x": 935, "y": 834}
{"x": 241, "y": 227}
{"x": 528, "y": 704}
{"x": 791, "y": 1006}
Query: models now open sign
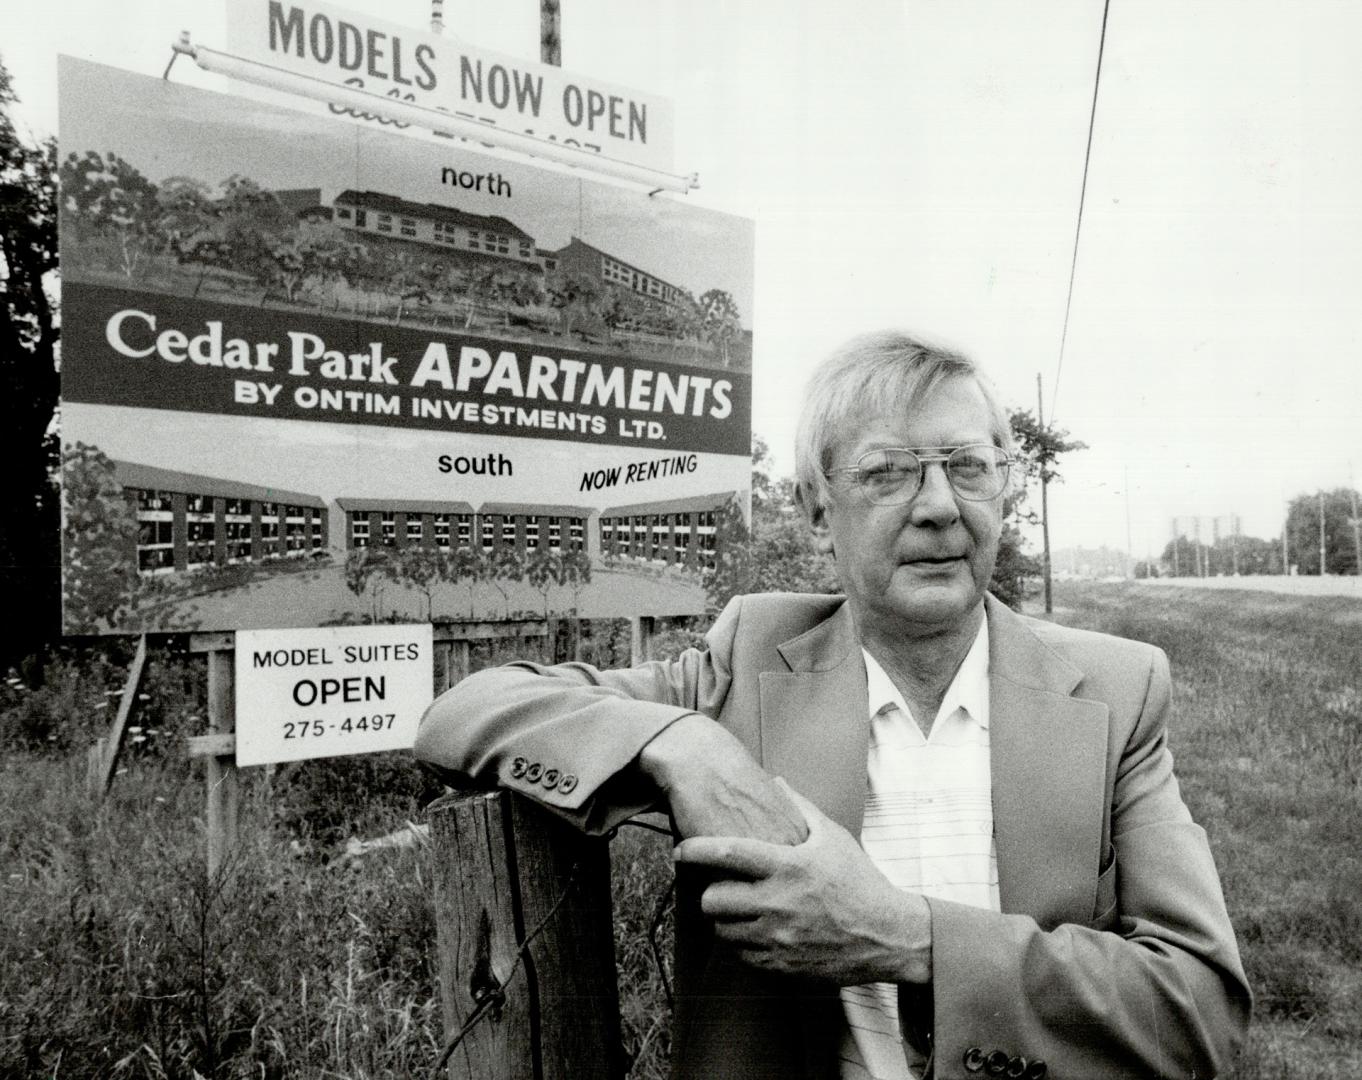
{"x": 328, "y": 692}
{"x": 352, "y": 49}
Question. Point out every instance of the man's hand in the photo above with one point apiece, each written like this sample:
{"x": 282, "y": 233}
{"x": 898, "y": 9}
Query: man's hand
{"x": 714, "y": 787}
{"x": 819, "y": 909}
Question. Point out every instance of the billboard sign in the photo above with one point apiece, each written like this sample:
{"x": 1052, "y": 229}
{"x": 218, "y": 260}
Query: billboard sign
{"x": 316, "y": 373}
{"x": 303, "y": 694}
{"x": 352, "y": 49}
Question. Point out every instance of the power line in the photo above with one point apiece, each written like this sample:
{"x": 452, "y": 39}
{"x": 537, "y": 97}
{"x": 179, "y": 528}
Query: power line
{"x": 1082, "y": 198}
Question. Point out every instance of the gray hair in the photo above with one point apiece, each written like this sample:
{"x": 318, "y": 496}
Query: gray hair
{"x": 888, "y": 367}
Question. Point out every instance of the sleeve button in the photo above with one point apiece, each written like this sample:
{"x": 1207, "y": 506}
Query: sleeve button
{"x": 1036, "y": 1070}
{"x": 550, "y": 778}
{"x": 566, "y": 783}
{"x": 973, "y": 1060}
{"x": 1016, "y": 1068}
{"x": 534, "y": 772}
{"x": 518, "y": 767}
{"x": 995, "y": 1064}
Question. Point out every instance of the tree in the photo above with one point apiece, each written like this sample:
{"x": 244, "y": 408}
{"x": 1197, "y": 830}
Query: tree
{"x": 719, "y": 321}
{"x": 572, "y": 296}
{"x": 504, "y": 565}
{"x": 463, "y": 566}
{"x": 29, "y": 515}
{"x": 365, "y": 569}
{"x": 619, "y": 308}
{"x": 544, "y": 570}
{"x": 106, "y": 197}
{"x": 188, "y": 223}
{"x": 1303, "y": 529}
{"x": 576, "y": 566}
{"x": 516, "y": 288}
{"x": 421, "y": 568}
{"x": 100, "y": 584}
{"x": 1040, "y": 446}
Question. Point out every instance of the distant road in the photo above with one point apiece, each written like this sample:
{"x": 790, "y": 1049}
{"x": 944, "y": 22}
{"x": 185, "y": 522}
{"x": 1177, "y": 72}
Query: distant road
{"x": 1329, "y": 585}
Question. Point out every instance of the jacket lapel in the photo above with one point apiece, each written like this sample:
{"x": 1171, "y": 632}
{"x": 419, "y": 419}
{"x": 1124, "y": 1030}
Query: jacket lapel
{"x": 813, "y": 719}
{"x": 1048, "y": 753}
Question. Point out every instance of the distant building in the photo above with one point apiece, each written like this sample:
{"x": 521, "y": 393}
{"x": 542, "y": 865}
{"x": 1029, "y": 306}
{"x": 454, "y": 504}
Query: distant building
{"x": 451, "y": 525}
{"x": 444, "y": 227}
{"x": 676, "y": 531}
{"x": 581, "y": 258}
{"x": 528, "y": 526}
{"x": 406, "y": 522}
{"x": 186, "y": 521}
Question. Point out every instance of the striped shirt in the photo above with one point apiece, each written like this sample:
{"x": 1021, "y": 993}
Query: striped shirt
{"x": 928, "y": 827}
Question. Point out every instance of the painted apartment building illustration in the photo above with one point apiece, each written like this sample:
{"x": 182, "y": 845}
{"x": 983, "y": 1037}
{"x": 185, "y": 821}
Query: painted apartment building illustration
{"x": 446, "y": 228}
{"x": 524, "y": 527}
{"x": 680, "y": 532}
{"x": 580, "y": 257}
{"x": 186, "y": 521}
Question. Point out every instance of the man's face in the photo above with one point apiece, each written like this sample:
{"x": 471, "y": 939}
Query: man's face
{"x": 922, "y": 567}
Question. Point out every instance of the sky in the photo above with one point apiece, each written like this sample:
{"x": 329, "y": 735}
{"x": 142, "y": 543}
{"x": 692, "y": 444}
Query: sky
{"x": 919, "y": 164}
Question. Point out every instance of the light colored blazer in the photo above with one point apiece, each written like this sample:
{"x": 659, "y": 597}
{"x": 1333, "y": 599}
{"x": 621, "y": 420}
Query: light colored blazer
{"x": 1113, "y": 955}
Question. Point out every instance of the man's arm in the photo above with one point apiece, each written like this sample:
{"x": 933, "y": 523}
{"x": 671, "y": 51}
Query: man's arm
{"x": 599, "y": 746}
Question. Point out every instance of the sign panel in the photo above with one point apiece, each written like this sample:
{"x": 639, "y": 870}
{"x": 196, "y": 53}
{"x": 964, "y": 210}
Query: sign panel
{"x": 304, "y": 694}
{"x": 353, "y": 49}
{"x": 318, "y": 374}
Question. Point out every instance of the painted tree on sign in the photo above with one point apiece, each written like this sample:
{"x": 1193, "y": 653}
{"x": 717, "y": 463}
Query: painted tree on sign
{"x": 719, "y": 321}
{"x": 543, "y": 570}
{"x": 99, "y": 539}
{"x": 107, "y": 199}
{"x": 573, "y": 296}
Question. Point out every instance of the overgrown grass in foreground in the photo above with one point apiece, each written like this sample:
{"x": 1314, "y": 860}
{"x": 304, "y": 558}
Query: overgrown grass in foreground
{"x": 1267, "y": 736}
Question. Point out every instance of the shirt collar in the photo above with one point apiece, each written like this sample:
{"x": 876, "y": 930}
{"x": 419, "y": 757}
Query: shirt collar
{"x": 968, "y": 690}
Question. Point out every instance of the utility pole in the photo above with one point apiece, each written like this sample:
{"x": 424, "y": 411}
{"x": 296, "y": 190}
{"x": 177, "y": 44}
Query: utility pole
{"x": 550, "y": 33}
{"x": 1044, "y": 503}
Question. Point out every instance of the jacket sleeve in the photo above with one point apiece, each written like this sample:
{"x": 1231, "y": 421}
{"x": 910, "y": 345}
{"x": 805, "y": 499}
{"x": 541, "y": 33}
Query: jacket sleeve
{"x": 1153, "y": 987}
{"x": 569, "y": 735}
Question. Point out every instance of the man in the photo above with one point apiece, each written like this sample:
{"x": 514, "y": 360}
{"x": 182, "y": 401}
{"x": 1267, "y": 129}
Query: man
{"x": 921, "y": 835}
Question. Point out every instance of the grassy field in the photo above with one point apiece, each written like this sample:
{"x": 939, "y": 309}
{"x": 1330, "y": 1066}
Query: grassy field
{"x": 122, "y": 959}
{"x": 1267, "y": 736}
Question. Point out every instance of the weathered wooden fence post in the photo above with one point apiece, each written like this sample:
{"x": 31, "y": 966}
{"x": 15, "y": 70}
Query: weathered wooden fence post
{"x": 509, "y": 874}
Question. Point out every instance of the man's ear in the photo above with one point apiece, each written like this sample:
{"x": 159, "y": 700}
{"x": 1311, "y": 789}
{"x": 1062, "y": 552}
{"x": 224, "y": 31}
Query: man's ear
{"x": 816, "y": 514}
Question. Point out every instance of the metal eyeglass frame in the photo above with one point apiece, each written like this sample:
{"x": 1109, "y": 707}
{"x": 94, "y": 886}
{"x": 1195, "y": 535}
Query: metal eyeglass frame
{"x": 925, "y": 456}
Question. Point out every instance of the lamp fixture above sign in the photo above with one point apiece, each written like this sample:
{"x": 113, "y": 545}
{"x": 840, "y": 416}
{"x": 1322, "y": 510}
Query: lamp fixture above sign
{"x": 437, "y": 120}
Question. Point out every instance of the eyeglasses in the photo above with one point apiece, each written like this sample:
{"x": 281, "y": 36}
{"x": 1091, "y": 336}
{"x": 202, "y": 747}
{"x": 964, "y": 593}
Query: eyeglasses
{"x": 893, "y": 475}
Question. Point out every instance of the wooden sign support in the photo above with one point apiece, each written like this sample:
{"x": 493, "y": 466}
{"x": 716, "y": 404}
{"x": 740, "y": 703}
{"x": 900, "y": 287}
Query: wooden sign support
{"x": 103, "y": 757}
{"x": 641, "y": 629}
{"x": 218, "y": 747}
{"x": 523, "y": 933}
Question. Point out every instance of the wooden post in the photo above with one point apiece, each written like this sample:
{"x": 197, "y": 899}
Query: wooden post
{"x": 506, "y": 869}
{"x": 550, "y": 33}
{"x": 103, "y": 757}
{"x": 641, "y": 629}
{"x": 218, "y": 748}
